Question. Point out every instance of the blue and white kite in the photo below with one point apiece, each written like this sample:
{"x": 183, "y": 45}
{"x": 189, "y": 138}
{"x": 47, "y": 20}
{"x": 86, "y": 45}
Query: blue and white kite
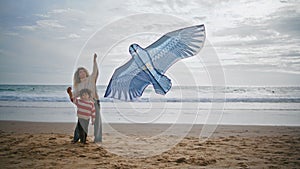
{"x": 147, "y": 66}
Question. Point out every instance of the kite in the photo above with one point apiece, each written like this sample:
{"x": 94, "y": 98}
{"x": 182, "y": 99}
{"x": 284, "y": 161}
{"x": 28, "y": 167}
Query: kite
{"x": 148, "y": 66}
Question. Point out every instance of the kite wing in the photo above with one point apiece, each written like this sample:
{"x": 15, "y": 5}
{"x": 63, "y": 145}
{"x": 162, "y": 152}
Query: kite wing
{"x": 127, "y": 82}
{"x": 176, "y": 45}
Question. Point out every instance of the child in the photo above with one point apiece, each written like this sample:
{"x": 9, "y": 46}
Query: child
{"x": 85, "y": 110}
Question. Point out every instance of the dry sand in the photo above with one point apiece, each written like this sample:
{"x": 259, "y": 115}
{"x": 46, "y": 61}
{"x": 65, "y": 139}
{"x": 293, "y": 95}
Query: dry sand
{"x": 47, "y": 145}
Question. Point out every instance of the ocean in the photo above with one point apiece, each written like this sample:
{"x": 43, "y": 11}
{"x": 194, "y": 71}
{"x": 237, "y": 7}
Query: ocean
{"x": 279, "y": 106}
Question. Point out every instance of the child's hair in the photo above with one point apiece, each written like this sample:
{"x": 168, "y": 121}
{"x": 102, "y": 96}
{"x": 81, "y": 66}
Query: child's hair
{"x": 82, "y": 91}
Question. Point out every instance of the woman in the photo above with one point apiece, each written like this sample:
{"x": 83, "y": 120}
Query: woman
{"x": 82, "y": 80}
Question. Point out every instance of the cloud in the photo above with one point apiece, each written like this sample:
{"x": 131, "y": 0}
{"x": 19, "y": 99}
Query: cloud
{"x": 11, "y": 33}
{"x": 43, "y": 24}
{"x": 58, "y": 24}
{"x": 59, "y": 11}
{"x": 280, "y": 26}
{"x": 28, "y": 28}
{"x": 271, "y": 41}
{"x": 286, "y": 21}
{"x": 42, "y": 15}
{"x": 49, "y": 24}
{"x": 74, "y": 36}
{"x": 69, "y": 37}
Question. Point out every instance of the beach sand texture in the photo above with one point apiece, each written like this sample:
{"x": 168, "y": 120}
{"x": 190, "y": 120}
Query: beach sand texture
{"x": 47, "y": 145}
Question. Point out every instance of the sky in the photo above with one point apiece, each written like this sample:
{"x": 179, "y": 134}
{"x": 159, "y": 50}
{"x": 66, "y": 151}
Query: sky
{"x": 42, "y": 42}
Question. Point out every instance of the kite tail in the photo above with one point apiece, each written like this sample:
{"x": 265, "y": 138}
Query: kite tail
{"x": 163, "y": 85}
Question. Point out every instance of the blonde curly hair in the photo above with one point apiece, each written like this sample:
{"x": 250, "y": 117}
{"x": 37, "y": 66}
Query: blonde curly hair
{"x": 76, "y": 78}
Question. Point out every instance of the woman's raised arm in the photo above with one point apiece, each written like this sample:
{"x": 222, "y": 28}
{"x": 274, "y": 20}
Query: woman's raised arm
{"x": 95, "y": 68}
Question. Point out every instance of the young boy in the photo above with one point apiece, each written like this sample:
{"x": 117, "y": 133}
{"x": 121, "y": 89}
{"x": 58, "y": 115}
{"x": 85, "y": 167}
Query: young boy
{"x": 85, "y": 110}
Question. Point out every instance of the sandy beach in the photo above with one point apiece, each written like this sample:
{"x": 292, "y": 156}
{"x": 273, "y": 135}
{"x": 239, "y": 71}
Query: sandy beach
{"x": 47, "y": 145}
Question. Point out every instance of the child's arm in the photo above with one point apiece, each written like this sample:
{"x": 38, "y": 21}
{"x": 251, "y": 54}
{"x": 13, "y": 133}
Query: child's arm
{"x": 69, "y": 91}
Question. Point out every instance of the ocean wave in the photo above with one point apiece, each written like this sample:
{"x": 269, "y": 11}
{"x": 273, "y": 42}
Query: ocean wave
{"x": 57, "y": 93}
{"x": 204, "y": 100}
{"x": 34, "y": 99}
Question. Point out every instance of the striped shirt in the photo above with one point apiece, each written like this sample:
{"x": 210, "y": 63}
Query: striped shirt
{"x": 85, "y": 109}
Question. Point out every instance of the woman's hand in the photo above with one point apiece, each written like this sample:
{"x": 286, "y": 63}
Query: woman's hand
{"x": 95, "y": 57}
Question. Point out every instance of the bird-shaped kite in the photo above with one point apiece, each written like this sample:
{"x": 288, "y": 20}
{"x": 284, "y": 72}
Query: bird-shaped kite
{"x": 147, "y": 66}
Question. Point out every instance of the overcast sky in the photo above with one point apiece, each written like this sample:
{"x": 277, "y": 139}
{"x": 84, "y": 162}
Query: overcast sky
{"x": 257, "y": 42}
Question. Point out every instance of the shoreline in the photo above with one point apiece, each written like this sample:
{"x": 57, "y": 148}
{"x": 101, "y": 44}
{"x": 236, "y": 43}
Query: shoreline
{"x": 148, "y": 129}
